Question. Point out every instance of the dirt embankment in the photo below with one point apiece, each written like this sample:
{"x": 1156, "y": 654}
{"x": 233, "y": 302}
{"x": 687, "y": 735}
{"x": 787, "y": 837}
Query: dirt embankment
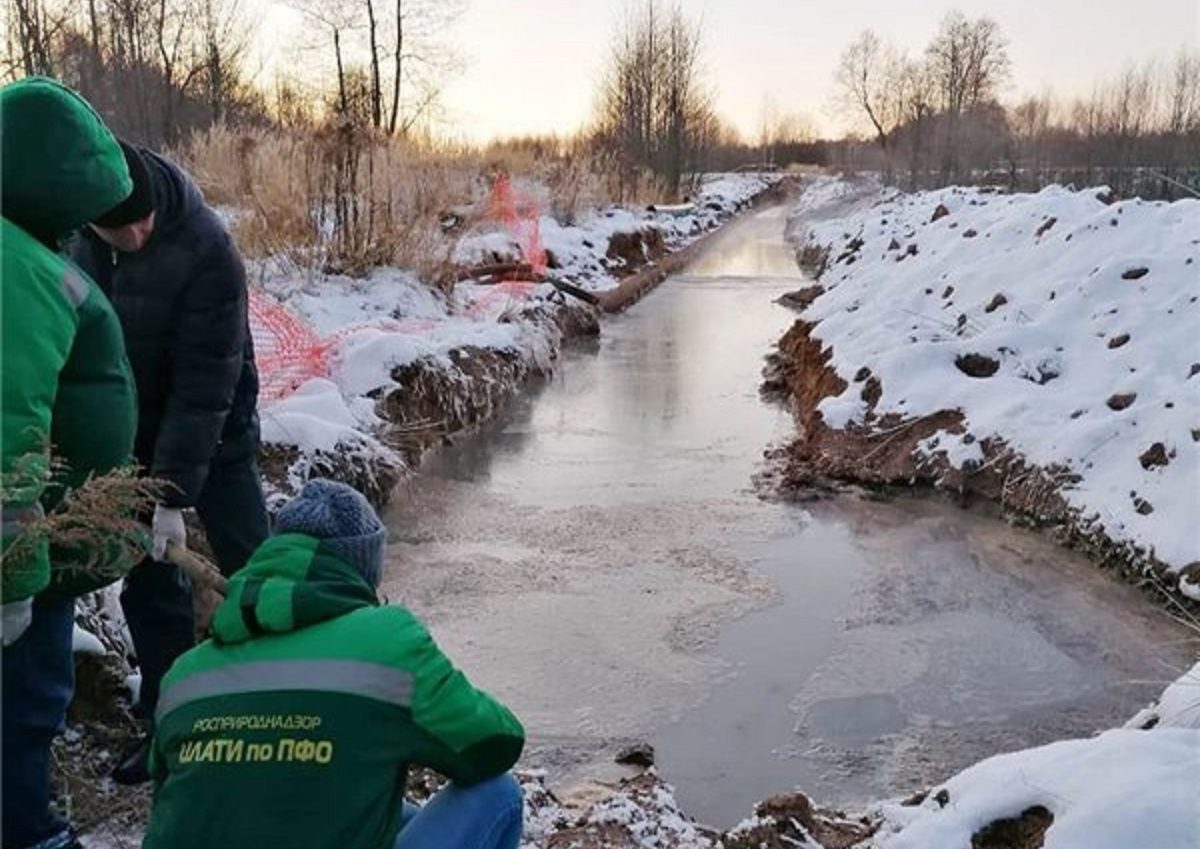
{"x": 881, "y": 453}
{"x": 434, "y": 398}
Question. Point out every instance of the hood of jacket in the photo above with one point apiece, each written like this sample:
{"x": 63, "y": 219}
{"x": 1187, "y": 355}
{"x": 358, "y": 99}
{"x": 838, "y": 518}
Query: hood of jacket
{"x": 290, "y": 583}
{"x": 176, "y": 196}
{"x": 61, "y": 166}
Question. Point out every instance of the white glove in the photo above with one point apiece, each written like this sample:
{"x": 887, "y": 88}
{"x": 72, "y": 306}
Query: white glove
{"x": 167, "y": 527}
{"x": 16, "y": 618}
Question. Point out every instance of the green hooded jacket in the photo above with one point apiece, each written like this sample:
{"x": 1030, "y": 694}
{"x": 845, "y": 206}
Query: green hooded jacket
{"x": 66, "y": 381}
{"x": 295, "y": 723}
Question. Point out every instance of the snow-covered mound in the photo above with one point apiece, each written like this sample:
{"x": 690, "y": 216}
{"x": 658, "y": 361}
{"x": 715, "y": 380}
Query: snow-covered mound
{"x": 1120, "y": 790}
{"x": 1177, "y": 707}
{"x": 1059, "y": 322}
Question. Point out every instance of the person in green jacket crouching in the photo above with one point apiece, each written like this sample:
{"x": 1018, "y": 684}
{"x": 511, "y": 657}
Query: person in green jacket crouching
{"x": 295, "y": 723}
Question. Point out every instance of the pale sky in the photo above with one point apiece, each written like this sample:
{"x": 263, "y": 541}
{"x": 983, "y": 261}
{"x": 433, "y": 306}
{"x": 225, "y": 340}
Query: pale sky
{"x": 532, "y": 65}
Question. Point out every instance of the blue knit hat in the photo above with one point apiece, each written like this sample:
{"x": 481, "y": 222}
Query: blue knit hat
{"x": 343, "y": 520}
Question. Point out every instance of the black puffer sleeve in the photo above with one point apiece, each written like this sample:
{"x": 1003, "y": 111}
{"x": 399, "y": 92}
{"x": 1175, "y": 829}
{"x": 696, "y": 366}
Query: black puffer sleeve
{"x": 206, "y": 362}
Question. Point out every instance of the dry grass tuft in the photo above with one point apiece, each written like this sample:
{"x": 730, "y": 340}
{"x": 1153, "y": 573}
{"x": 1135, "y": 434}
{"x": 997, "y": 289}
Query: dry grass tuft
{"x": 343, "y": 199}
{"x": 340, "y": 199}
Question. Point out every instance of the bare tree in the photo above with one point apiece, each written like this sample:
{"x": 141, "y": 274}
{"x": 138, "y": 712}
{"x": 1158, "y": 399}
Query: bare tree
{"x": 1029, "y": 123}
{"x": 225, "y": 46}
{"x": 778, "y": 130}
{"x": 653, "y": 113}
{"x": 33, "y": 25}
{"x": 339, "y": 19}
{"x": 376, "y": 83}
{"x": 422, "y": 59}
{"x": 870, "y": 82}
{"x": 1183, "y": 94}
{"x": 968, "y": 62}
{"x": 155, "y": 69}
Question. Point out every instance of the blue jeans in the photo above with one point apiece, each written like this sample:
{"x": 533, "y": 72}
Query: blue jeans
{"x": 487, "y": 815}
{"x": 38, "y": 679}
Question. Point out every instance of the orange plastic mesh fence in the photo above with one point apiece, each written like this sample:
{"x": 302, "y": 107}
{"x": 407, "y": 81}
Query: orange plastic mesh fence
{"x": 289, "y": 352}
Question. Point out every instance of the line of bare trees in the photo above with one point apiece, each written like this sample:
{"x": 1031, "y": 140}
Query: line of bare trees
{"x": 154, "y": 68}
{"x": 937, "y": 118}
{"x": 654, "y": 118}
{"x": 389, "y": 58}
{"x": 157, "y": 70}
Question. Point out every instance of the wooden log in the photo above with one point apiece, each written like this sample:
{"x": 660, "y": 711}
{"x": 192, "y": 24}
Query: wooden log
{"x": 198, "y": 569}
{"x": 499, "y": 269}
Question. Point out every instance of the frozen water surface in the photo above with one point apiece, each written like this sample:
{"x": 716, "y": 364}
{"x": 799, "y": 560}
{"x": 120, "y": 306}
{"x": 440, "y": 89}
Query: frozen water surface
{"x": 599, "y": 559}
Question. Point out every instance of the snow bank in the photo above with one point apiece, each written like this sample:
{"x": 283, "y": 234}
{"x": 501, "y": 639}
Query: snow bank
{"x": 375, "y": 325}
{"x": 1122, "y": 789}
{"x": 317, "y": 417}
{"x": 580, "y": 249}
{"x": 1076, "y": 319}
{"x": 1177, "y": 707}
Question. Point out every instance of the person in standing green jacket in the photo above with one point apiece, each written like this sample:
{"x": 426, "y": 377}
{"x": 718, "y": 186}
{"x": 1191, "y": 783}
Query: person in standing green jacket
{"x": 295, "y": 723}
{"x": 66, "y": 384}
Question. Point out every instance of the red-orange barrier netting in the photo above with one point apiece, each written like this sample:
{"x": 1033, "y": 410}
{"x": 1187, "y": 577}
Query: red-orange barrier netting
{"x": 289, "y": 352}
{"x": 518, "y": 213}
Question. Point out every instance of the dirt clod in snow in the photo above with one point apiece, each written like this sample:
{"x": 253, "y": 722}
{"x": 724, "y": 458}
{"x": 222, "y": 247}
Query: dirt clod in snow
{"x": 1045, "y": 228}
{"x": 637, "y": 248}
{"x": 1194, "y": 370}
{"x": 789, "y": 821}
{"x": 1028, "y": 831}
{"x": 1143, "y": 507}
{"x": 801, "y": 298}
{"x": 1135, "y": 273}
{"x": 1118, "y": 341}
{"x": 1154, "y": 456}
{"x": 970, "y": 234}
{"x": 1121, "y": 400}
{"x": 872, "y": 391}
{"x": 639, "y": 754}
{"x": 977, "y": 365}
{"x": 939, "y": 213}
{"x": 998, "y": 300}
{"x": 795, "y": 806}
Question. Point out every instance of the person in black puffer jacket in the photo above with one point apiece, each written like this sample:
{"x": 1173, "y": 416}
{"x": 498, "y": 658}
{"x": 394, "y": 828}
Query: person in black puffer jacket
{"x": 172, "y": 272}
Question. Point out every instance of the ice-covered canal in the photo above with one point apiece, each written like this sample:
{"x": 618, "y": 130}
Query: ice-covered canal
{"x": 599, "y": 559}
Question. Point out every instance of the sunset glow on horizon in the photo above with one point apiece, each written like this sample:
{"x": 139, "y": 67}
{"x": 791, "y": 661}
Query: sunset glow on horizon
{"x": 532, "y": 66}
